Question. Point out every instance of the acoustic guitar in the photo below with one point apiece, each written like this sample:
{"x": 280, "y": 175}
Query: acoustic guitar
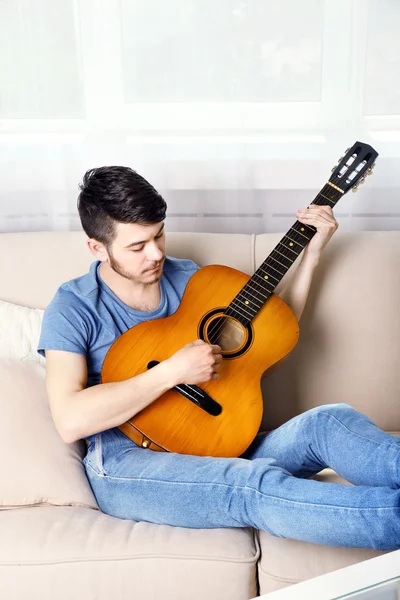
{"x": 253, "y": 326}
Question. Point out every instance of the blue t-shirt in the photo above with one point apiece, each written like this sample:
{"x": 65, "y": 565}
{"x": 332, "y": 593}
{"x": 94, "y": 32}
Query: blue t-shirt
{"x": 86, "y": 317}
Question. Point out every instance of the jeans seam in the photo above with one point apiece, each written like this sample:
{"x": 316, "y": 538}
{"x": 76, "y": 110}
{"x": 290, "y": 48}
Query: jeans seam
{"x": 395, "y": 464}
{"x": 245, "y": 487}
{"x": 93, "y": 468}
{"x": 98, "y": 454}
{"x": 363, "y": 437}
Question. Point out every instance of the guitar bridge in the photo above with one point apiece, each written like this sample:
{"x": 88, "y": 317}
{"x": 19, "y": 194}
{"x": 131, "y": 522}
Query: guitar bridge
{"x": 195, "y": 394}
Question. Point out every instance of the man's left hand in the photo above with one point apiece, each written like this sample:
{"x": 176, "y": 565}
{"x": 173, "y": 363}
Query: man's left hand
{"x": 321, "y": 217}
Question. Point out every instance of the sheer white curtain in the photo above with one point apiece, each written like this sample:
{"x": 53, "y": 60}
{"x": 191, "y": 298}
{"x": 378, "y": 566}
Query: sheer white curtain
{"x": 235, "y": 110}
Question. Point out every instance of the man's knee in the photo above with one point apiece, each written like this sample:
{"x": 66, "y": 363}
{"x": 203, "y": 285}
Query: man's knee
{"x": 333, "y": 409}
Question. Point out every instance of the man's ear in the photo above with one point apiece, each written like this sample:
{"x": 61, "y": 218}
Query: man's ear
{"x": 97, "y": 249}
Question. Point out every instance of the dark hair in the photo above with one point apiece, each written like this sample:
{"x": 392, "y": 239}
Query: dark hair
{"x": 116, "y": 194}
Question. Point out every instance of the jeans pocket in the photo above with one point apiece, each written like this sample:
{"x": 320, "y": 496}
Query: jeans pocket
{"x": 94, "y": 456}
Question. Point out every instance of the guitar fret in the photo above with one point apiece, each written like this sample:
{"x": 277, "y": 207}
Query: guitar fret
{"x": 266, "y": 272}
{"x": 279, "y": 263}
{"x": 277, "y": 270}
{"x": 245, "y": 308}
{"x": 295, "y": 241}
{"x": 326, "y": 198}
{"x": 284, "y": 255}
{"x": 296, "y": 254}
{"x": 266, "y": 281}
{"x": 310, "y": 228}
{"x": 302, "y": 234}
{"x": 257, "y": 291}
{"x": 242, "y": 297}
{"x": 248, "y": 299}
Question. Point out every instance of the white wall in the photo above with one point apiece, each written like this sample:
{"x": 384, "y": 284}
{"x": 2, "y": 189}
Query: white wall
{"x": 235, "y": 110}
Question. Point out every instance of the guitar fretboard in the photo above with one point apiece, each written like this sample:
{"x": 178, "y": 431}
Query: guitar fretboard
{"x": 245, "y": 306}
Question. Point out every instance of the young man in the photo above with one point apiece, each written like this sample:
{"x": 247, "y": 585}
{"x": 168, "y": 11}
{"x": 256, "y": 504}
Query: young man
{"x": 133, "y": 280}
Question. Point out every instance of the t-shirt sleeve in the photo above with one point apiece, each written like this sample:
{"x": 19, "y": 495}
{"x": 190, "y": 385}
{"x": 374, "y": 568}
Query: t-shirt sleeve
{"x": 64, "y": 327}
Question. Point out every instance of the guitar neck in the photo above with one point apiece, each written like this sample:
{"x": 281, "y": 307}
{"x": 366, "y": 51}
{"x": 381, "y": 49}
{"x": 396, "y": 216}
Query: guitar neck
{"x": 262, "y": 284}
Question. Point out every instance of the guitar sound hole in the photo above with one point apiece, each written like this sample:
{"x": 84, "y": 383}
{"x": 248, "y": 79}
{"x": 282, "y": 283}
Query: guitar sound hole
{"x": 228, "y": 333}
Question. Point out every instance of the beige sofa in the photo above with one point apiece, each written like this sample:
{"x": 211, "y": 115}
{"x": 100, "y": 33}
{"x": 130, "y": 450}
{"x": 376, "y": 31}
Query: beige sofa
{"x": 56, "y": 544}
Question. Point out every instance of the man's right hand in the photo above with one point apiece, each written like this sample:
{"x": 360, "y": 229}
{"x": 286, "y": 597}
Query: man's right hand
{"x": 195, "y": 363}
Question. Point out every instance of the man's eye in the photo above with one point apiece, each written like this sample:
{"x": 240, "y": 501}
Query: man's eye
{"x": 157, "y": 238}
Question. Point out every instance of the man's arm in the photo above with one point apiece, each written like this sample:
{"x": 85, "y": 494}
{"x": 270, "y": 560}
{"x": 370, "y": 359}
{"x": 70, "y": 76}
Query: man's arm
{"x": 296, "y": 291}
{"x": 78, "y": 411}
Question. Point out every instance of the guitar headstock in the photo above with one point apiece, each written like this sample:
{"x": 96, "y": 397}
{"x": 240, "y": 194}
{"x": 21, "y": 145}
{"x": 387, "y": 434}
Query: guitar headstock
{"x": 353, "y": 168}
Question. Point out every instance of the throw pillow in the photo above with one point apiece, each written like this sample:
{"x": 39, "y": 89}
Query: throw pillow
{"x": 19, "y": 332}
{"x": 36, "y": 466}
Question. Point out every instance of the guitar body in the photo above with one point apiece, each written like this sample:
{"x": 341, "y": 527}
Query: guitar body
{"x": 172, "y": 422}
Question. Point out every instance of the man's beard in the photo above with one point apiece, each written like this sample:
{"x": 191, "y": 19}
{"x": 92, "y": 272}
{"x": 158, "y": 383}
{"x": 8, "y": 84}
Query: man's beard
{"x": 117, "y": 268}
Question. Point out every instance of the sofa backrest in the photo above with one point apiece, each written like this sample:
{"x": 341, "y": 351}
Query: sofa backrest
{"x": 349, "y": 348}
{"x": 33, "y": 265}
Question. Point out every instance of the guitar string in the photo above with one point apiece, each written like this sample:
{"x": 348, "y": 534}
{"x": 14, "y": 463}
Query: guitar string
{"x": 199, "y": 393}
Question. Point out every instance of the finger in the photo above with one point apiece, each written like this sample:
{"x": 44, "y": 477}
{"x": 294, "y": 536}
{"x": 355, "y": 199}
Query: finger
{"x": 320, "y": 226}
{"x": 197, "y": 343}
{"x": 323, "y": 215}
{"x": 216, "y": 349}
{"x": 317, "y": 207}
{"x": 325, "y": 210}
{"x": 314, "y": 210}
{"x": 328, "y": 209}
{"x": 319, "y": 210}
{"x": 315, "y": 220}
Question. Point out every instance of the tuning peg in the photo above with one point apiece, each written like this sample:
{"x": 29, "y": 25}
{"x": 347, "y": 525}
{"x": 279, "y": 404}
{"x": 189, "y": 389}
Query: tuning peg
{"x": 333, "y": 168}
{"x": 362, "y": 179}
{"x": 370, "y": 170}
{"x": 346, "y": 151}
{"x": 355, "y": 188}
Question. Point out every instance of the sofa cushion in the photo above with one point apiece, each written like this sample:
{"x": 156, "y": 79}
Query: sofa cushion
{"x": 19, "y": 332}
{"x": 104, "y": 557}
{"x": 285, "y": 562}
{"x": 37, "y": 466}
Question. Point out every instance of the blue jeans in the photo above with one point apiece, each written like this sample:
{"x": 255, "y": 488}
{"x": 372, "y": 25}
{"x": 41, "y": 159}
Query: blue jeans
{"x": 268, "y": 487}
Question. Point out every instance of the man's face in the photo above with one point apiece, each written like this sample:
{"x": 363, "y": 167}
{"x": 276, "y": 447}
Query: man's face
{"x": 138, "y": 252}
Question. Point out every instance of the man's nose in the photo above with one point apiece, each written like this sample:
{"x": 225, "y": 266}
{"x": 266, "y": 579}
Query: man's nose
{"x": 154, "y": 253}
